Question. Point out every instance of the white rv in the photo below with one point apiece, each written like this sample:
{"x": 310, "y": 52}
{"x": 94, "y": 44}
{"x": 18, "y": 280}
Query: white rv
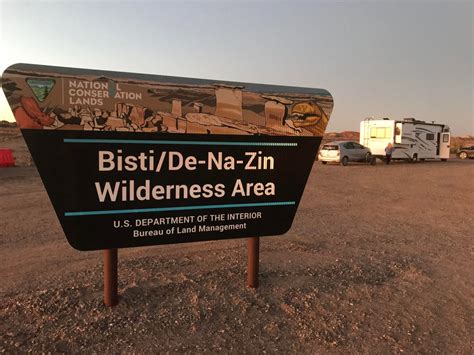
{"x": 412, "y": 139}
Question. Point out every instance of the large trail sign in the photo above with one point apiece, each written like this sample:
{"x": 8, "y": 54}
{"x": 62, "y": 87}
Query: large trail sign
{"x": 132, "y": 159}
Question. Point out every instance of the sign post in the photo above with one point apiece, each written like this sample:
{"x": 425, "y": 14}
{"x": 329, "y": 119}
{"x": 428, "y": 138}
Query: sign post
{"x": 110, "y": 277}
{"x": 133, "y": 160}
{"x": 253, "y": 255}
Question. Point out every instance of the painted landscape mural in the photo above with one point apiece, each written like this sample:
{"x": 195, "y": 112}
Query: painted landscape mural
{"x": 65, "y": 99}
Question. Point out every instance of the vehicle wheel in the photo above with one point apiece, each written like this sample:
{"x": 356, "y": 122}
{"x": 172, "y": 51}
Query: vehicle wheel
{"x": 463, "y": 155}
{"x": 444, "y": 159}
{"x": 344, "y": 161}
{"x": 373, "y": 160}
{"x": 422, "y": 159}
{"x": 324, "y": 162}
{"x": 415, "y": 158}
{"x": 368, "y": 158}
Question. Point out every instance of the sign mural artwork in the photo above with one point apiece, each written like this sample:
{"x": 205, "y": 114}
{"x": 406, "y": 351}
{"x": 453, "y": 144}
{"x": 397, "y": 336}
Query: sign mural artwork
{"x": 132, "y": 160}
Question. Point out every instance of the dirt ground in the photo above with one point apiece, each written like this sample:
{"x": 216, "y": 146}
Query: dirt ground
{"x": 379, "y": 259}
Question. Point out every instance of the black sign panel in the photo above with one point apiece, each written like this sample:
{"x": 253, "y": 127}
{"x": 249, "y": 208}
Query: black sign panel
{"x": 133, "y": 160}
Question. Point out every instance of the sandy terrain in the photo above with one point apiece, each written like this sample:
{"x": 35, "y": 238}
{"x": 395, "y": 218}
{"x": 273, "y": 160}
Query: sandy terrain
{"x": 379, "y": 259}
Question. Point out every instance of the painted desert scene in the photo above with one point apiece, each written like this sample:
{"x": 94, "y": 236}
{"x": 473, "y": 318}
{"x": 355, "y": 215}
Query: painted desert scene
{"x": 53, "y": 99}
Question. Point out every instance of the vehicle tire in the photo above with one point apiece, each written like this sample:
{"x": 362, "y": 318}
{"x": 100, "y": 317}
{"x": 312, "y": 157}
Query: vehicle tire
{"x": 444, "y": 159}
{"x": 368, "y": 158}
{"x": 344, "y": 161}
{"x": 422, "y": 159}
{"x": 373, "y": 160}
{"x": 414, "y": 159}
{"x": 463, "y": 155}
{"x": 324, "y": 162}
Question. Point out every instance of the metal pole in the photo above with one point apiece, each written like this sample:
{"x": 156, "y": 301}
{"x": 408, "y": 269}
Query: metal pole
{"x": 253, "y": 249}
{"x": 110, "y": 277}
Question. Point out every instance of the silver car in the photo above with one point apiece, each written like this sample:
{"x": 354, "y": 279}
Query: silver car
{"x": 343, "y": 152}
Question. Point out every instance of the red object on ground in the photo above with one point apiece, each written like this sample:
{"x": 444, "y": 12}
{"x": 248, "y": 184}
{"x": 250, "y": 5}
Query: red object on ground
{"x": 6, "y": 158}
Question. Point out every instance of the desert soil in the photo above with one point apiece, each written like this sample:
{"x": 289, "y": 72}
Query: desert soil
{"x": 379, "y": 259}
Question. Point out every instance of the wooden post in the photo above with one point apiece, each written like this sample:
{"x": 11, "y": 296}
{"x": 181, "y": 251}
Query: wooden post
{"x": 253, "y": 252}
{"x": 110, "y": 277}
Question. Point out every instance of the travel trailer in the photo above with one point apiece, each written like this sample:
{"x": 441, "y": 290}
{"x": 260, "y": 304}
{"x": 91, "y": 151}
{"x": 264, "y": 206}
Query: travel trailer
{"x": 412, "y": 139}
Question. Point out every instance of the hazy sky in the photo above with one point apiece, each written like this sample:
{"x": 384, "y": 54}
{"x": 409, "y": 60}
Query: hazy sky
{"x": 382, "y": 59}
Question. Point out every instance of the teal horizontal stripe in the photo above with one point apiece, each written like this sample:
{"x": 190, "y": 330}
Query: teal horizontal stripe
{"x": 183, "y": 208}
{"x": 164, "y": 142}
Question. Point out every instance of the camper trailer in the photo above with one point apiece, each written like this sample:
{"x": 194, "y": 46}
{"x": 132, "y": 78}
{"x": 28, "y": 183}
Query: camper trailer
{"x": 412, "y": 139}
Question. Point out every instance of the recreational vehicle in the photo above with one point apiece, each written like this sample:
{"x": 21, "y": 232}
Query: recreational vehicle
{"x": 412, "y": 139}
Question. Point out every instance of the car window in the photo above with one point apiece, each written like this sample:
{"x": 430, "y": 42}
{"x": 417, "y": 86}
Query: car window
{"x": 348, "y": 145}
{"x": 357, "y": 146}
{"x": 330, "y": 147}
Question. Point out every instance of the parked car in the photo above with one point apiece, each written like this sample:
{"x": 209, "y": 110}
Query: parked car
{"x": 344, "y": 152}
{"x": 466, "y": 152}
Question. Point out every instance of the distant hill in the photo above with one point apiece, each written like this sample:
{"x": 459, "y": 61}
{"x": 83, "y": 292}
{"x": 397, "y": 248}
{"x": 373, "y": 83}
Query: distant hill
{"x": 341, "y": 136}
{"x": 7, "y": 124}
{"x": 461, "y": 141}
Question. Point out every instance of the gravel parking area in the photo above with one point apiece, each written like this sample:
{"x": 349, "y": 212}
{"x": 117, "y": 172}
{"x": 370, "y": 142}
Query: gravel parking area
{"x": 379, "y": 259}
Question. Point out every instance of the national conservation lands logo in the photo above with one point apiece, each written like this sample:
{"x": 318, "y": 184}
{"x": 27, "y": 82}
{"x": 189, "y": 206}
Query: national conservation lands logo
{"x": 40, "y": 87}
{"x": 135, "y": 159}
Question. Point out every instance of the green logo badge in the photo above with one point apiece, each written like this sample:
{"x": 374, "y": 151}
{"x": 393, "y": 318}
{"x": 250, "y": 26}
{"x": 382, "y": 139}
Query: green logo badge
{"x": 40, "y": 87}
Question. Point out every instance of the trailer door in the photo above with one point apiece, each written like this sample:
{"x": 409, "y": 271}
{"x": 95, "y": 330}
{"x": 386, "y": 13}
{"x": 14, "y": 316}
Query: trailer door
{"x": 444, "y": 145}
{"x": 398, "y": 132}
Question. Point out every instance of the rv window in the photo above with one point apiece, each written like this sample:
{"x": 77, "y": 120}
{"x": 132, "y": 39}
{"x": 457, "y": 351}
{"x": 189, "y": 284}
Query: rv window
{"x": 380, "y": 132}
{"x": 429, "y": 136}
{"x": 445, "y": 138}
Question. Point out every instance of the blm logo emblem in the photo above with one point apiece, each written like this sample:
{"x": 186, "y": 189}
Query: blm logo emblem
{"x": 40, "y": 87}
